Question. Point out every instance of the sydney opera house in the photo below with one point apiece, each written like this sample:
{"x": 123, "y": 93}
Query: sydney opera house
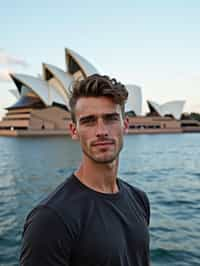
{"x": 42, "y": 107}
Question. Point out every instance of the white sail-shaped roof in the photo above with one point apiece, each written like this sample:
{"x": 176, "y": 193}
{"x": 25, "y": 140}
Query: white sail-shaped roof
{"x": 174, "y": 108}
{"x": 15, "y": 93}
{"x": 134, "y": 102}
{"x": 85, "y": 66}
{"x": 47, "y": 93}
{"x": 59, "y": 79}
{"x": 64, "y": 78}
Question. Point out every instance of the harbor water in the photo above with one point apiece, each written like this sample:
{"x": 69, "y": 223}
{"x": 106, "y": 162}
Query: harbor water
{"x": 166, "y": 166}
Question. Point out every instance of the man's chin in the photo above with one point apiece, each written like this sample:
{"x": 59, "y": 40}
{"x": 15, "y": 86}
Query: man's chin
{"x": 105, "y": 159}
{"x": 102, "y": 157}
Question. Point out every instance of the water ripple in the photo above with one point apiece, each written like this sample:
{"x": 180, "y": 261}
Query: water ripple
{"x": 165, "y": 166}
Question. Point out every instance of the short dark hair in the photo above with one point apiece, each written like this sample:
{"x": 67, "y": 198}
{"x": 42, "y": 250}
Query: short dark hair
{"x": 97, "y": 86}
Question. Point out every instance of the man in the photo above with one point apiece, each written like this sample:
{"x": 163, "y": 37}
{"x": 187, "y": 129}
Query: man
{"x": 93, "y": 218}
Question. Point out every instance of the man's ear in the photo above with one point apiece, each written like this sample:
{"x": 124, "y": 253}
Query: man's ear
{"x": 126, "y": 124}
{"x": 73, "y": 131}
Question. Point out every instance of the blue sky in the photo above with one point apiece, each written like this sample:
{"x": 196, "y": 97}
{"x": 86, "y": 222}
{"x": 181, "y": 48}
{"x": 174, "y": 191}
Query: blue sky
{"x": 154, "y": 44}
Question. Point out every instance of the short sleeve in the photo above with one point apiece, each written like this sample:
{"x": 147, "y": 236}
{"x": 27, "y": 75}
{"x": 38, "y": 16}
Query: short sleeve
{"x": 147, "y": 207}
{"x": 45, "y": 240}
{"x": 143, "y": 202}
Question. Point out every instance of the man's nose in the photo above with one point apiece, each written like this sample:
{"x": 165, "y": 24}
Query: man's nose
{"x": 101, "y": 130}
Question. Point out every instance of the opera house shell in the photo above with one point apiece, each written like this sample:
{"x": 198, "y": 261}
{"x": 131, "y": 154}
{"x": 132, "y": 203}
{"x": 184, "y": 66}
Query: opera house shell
{"x": 134, "y": 102}
{"x": 173, "y": 108}
{"x": 42, "y": 106}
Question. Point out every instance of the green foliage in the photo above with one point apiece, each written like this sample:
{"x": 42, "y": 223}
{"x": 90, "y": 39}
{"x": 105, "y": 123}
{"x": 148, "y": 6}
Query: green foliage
{"x": 190, "y": 116}
{"x": 131, "y": 113}
{"x": 195, "y": 116}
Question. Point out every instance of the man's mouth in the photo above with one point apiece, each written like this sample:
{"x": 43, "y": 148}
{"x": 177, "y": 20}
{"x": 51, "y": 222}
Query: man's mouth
{"x": 103, "y": 143}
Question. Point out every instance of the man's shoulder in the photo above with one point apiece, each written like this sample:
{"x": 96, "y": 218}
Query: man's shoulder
{"x": 49, "y": 226}
{"x": 66, "y": 202}
{"x": 129, "y": 187}
{"x": 63, "y": 193}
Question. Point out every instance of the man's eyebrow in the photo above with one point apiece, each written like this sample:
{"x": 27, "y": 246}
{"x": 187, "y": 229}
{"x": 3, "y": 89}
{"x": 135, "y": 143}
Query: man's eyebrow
{"x": 88, "y": 117}
{"x": 111, "y": 114}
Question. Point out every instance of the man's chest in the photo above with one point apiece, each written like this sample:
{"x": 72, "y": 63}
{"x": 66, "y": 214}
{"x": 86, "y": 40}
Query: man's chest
{"x": 111, "y": 232}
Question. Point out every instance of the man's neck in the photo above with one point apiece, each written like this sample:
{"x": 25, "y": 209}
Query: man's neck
{"x": 99, "y": 176}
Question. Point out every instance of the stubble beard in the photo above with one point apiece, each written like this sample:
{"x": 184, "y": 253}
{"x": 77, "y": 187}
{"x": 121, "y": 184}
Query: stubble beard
{"x": 104, "y": 160}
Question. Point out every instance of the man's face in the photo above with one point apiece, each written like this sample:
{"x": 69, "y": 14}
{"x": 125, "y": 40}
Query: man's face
{"x": 99, "y": 128}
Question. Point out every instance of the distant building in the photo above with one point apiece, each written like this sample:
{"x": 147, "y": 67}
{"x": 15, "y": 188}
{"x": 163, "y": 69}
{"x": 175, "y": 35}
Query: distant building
{"x": 42, "y": 106}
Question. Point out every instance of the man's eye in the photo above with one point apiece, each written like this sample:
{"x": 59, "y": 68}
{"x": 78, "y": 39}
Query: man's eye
{"x": 111, "y": 118}
{"x": 88, "y": 121}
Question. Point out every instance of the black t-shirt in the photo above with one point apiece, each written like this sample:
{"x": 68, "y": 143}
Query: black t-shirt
{"x": 77, "y": 226}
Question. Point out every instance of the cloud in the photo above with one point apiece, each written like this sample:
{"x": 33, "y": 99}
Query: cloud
{"x": 9, "y": 60}
{"x": 4, "y": 76}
